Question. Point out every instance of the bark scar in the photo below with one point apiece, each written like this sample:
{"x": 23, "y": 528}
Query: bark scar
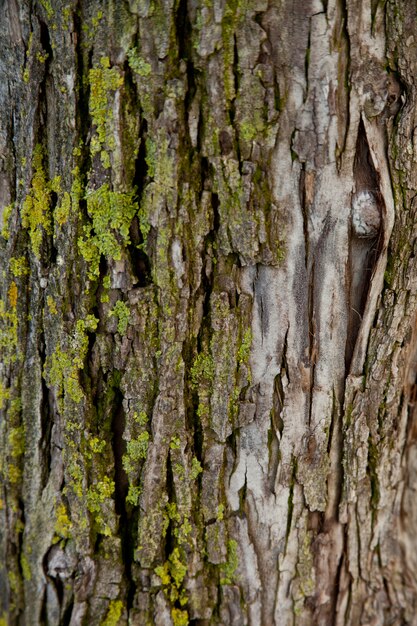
{"x": 372, "y": 222}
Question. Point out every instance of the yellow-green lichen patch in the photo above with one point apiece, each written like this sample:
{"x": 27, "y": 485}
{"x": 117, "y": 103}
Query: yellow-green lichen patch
{"x": 62, "y": 210}
{"x": 196, "y": 468}
{"x": 26, "y": 73}
{"x": 202, "y": 370}
{"x": 19, "y": 266}
{"x": 4, "y": 394}
{"x": 121, "y": 311}
{"x": 62, "y": 366}
{"x": 111, "y": 213}
{"x": 48, "y": 8}
{"x": 104, "y": 81}
{"x": 16, "y": 442}
{"x": 63, "y": 524}
{"x": 243, "y": 352}
{"x": 7, "y": 211}
{"x": 114, "y": 613}
{"x": 179, "y": 617}
{"x": 137, "y": 63}
{"x": 228, "y": 569}
{"x": 24, "y": 563}
{"x": 51, "y": 305}
{"x": 172, "y": 574}
{"x": 98, "y": 496}
{"x": 8, "y": 326}
{"x": 36, "y": 211}
{"x": 136, "y": 451}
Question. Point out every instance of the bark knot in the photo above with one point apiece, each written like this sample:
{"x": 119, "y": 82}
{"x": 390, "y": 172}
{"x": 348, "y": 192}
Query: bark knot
{"x": 366, "y": 214}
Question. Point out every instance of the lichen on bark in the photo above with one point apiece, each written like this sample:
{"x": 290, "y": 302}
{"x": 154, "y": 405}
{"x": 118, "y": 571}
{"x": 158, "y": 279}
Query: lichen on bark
{"x": 207, "y": 372}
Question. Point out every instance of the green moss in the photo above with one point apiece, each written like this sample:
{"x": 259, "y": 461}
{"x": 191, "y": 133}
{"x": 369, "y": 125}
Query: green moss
{"x": 36, "y": 213}
{"x": 103, "y": 82}
{"x": 121, "y": 311}
{"x": 111, "y": 213}
{"x": 114, "y": 613}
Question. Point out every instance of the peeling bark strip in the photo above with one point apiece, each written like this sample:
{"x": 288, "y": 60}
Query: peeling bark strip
{"x": 208, "y": 317}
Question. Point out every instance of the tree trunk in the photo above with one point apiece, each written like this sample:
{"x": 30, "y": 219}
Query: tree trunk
{"x": 208, "y": 312}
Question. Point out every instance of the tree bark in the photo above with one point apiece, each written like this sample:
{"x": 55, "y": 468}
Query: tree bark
{"x": 208, "y": 312}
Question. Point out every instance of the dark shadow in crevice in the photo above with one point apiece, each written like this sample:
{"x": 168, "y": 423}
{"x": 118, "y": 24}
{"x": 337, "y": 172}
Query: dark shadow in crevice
{"x": 140, "y": 263}
{"x": 46, "y": 43}
{"x": 46, "y": 418}
{"x": 364, "y": 251}
{"x": 66, "y": 618}
{"x": 126, "y": 531}
{"x": 183, "y": 30}
{"x": 119, "y": 449}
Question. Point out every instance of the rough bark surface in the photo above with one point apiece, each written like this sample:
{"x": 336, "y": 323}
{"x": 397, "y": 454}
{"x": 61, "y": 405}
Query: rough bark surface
{"x": 208, "y": 316}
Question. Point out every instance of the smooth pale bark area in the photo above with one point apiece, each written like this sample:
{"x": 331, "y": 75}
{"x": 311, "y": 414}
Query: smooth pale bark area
{"x": 208, "y": 312}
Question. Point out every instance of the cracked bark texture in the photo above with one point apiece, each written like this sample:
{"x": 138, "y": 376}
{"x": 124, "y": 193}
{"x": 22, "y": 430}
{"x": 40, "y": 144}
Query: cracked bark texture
{"x": 208, "y": 317}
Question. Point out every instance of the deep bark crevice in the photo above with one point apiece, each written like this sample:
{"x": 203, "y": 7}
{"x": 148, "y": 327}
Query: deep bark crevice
{"x": 140, "y": 262}
{"x": 47, "y": 421}
{"x": 121, "y": 485}
{"x": 307, "y": 61}
{"x": 66, "y": 617}
{"x": 366, "y": 238}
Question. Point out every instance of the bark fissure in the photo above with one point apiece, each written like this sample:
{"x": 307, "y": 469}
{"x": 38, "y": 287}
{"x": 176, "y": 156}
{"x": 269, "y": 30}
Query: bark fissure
{"x": 203, "y": 413}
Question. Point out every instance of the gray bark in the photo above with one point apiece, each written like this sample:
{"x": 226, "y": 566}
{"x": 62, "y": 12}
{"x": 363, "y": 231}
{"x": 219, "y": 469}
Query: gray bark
{"x": 208, "y": 312}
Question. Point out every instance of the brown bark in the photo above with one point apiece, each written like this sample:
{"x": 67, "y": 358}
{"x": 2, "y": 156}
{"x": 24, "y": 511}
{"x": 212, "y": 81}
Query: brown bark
{"x": 208, "y": 312}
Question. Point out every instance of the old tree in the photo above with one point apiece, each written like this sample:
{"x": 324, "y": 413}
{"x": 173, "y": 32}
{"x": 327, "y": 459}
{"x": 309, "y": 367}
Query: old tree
{"x": 208, "y": 312}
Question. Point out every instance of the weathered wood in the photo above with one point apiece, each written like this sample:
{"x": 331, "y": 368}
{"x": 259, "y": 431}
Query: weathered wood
{"x": 208, "y": 312}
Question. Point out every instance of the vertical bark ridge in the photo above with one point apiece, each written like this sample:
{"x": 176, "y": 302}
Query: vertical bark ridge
{"x": 195, "y": 427}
